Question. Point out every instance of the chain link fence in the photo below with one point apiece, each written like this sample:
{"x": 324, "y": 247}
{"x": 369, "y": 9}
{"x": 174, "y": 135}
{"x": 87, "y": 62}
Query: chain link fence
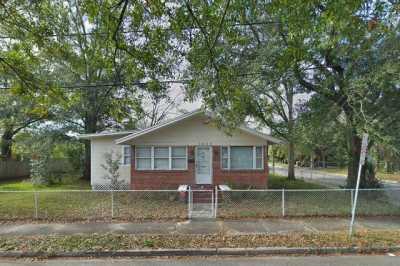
{"x": 154, "y": 205}
{"x": 88, "y": 205}
{"x": 237, "y": 204}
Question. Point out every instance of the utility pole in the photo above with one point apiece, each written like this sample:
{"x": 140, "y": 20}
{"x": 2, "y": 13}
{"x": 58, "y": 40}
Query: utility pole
{"x": 363, "y": 154}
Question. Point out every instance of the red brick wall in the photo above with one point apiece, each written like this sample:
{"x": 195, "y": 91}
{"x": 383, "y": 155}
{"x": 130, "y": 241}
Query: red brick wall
{"x": 145, "y": 179}
{"x": 257, "y": 178}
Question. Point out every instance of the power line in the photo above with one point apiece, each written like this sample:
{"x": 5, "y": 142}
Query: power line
{"x": 141, "y": 31}
{"x": 122, "y": 84}
{"x": 114, "y": 84}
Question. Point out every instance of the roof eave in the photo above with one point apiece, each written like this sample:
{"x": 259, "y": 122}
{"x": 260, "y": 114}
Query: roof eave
{"x": 101, "y": 135}
{"x": 134, "y": 135}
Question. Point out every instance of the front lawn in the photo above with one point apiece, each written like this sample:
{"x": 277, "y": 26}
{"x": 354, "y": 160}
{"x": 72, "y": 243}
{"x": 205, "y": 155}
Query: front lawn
{"x": 303, "y": 203}
{"x": 67, "y": 183}
{"x": 82, "y": 206}
{"x": 59, "y": 203}
{"x": 280, "y": 182}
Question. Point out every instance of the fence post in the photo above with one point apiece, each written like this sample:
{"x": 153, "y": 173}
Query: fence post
{"x": 283, "y": 202}
{"x": 216, "y": 202}
{"x": 36, "y": 205}
{"x": 352, "y": 198}
{"x": 112, "y": 204}
{"x": 189, "y": 202}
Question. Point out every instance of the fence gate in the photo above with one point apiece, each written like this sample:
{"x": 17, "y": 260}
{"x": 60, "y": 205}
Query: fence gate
{"x": 202, "y": 203}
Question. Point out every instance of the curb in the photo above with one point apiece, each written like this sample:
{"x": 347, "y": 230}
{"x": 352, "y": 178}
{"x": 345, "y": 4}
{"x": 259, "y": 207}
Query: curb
{"x": 201, "y": 252}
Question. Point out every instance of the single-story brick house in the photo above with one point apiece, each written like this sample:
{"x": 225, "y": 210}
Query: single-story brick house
{"x": 187, "y": 150}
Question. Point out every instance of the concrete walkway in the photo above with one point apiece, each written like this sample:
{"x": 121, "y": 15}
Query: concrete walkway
{"x": 265, "y": 226}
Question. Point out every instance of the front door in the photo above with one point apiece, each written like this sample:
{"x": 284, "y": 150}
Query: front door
{"x": 203, "y": 165}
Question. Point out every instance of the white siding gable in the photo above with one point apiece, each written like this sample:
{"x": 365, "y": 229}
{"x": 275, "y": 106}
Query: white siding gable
{"x": 197, "y": 130}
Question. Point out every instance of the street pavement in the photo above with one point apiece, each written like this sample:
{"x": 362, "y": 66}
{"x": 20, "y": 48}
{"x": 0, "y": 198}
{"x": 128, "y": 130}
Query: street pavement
{"x": 336, "y": 181}
{"x": 227, "y": 227}
{"x": 323, "y": 178}
{"x": 382, "y": 260}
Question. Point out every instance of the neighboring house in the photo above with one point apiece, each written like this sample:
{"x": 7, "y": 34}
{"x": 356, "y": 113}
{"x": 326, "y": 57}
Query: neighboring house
{"x": 186, "y": 150}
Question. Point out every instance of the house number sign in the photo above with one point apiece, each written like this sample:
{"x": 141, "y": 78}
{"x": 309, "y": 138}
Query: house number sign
{"x": 204, "y": 144}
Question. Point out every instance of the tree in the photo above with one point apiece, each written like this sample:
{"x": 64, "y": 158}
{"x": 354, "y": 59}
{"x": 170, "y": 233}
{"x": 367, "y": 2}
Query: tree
{"x": 321, "y": 131}
{"x": 106, "y": 54}
{"x": 112, "y": 168}
{"x": 16, "y": 114}
{"x": 227, "y": 65}
{"x": 157, "y": 106}
{"x": 334, "y": 55}
{"x": 328, "y": 49}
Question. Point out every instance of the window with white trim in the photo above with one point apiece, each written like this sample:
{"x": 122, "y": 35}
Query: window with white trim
{"x": 242, "y": 157}
{"x": 143, "y": 158}
{"x": 126, "y": 155}
{"x": 178, "y": 158}
{"x": 161, "y": 158}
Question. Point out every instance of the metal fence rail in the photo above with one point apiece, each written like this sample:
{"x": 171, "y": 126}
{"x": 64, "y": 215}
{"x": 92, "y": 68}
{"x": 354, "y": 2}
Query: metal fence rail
{"x": 77, "y": 205}
{"x": 313, "y": 202}
{"x": 137, "y": 205}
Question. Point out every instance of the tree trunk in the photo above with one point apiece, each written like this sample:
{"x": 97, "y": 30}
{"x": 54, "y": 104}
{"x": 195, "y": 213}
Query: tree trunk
{"x": 90, "y": 127}
{"x": 354, "y": 150}
{"x": 291, "y": 174}
{"x": 6, "y": 145}
{"x": 87, "y": 162}
{"x": 289, "y": 97}
{"x": 273, "y": 160}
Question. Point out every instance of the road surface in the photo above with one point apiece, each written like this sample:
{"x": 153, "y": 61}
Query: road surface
{"x": 382, "y": 260}
{"x": 324, "y": 178}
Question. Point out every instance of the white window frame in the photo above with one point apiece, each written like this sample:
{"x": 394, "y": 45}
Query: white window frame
{"x": 124, "y": 155}
{"x": 151, "y": 158}
{"x": 178, "y": 157}
{"x": 169, "y": 158}
{"x": 254, "y": 158}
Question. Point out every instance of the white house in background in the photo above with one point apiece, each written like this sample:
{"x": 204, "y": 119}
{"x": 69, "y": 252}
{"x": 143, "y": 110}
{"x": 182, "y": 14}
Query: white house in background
{"x": 186, "y": 150}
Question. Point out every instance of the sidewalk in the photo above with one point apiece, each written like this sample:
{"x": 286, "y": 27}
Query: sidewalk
{"x": 228, "y": 227}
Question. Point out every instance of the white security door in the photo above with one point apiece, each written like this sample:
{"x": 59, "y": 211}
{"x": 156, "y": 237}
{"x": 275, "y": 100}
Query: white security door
{"x": 203, "y": 165}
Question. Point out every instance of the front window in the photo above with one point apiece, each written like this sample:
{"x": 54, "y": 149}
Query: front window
{"x": 161, "y": 158}
{"x": 143, "y": 158}
{"x": 178, "y": 158}
{"x": 242, "y": 157}
{"x": 126, "y": 157}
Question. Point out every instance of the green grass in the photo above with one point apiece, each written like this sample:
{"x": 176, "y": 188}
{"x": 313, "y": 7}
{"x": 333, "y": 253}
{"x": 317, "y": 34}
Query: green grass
{"x": 72, "y": 206}
{"x": 75, "y": 206}
{"x": 264, "y": 204}
{"x": 68, "y": 183}
{"x": 280, "y": 182}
